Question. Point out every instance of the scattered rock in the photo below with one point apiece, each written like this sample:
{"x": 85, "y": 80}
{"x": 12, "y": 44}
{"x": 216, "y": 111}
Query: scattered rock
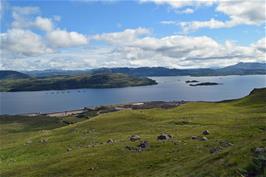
{"x": 164, "y": 136}
{"x": 194, "y": 137}
{"x": 110, "y": 141}
{"x": 69, "y": 149}
{"x": 91, "y": 168}
{"x": 141, "y": 147}
{"x": 225, "y": 144}
{"x": 259, "y": 150}
{"x": 144, "y": 145}
{"x": 204, "y": 138}
{"x": 44, "y": 140}
{"x": 206, "y": 132}
{"x": 134, "y": 138}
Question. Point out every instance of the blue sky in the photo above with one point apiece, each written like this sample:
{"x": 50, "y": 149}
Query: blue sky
{"x": 151, "y": 25}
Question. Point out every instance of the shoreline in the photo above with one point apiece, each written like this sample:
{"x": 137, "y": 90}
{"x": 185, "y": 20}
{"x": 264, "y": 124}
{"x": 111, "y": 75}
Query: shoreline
{"x": 109, "y": 108}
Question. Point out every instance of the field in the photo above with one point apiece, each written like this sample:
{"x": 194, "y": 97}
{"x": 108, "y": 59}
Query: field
{"x": 235, "y": 146}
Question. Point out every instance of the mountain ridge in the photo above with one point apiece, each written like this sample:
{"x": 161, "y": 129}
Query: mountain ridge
{"x": 245, "y": 69}
{"x": 241, "y": 68}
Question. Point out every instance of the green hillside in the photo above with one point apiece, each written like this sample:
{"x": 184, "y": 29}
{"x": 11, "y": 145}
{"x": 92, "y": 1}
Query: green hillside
{"x": 101, "y": 80}
{"x": 235, "y": 146}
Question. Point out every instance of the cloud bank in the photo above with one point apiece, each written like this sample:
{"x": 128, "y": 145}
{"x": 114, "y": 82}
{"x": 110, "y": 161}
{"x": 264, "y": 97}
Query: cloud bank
{"x": 35, "y": 42}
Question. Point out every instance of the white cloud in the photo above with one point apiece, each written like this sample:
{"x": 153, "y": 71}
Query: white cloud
{"x": 180, "y": 3}
{"x": 61, "y": 38}
{"x": 21, "y": 48}
{"x": 175, "y": 51}
{"x": 260, "y": 45}
{"x": 21, "y": 11}
{"x": 212, "y": 24}
{"x": 25, "y": 18}
{"x": 244, "y": 12}
{"x": 22, "y": 43}
{"x": 135, "y": 48}
{"x": 19, "y": 44}
{"x": 22, "y": 16}
{"x": 128, "y": 35}
{"x": 168, "y": 22}
{"x": 239, "y": 12}
{"x": 186, "y": 11}
{"x": 44, "y": 24}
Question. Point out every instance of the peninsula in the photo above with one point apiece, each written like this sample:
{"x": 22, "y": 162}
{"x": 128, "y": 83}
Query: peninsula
{"x": 99, "y": 80}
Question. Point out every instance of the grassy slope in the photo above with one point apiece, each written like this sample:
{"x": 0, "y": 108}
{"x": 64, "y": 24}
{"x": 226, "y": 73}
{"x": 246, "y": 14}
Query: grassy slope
{"x": 100, "y": 80}
{"x": 241, "y": 122}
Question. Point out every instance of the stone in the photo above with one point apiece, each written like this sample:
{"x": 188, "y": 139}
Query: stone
{"x": 134, "y": 138}
{"x": 69, "y": 149}
{"x": 194, "y": 137}
{"x": 144, "y": 145}
{"x": 43, "y": 140}
{"x": 204, "y": 138}
{"x": 205, "y": 132}
{"x": 110, "y": 141}
{"x": 164, "y": 136}
{"x": 259, "y": 150}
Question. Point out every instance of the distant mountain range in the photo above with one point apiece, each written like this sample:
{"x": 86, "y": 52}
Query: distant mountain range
{"x": 12, "y": 75}
{"x": 238, "y": 69}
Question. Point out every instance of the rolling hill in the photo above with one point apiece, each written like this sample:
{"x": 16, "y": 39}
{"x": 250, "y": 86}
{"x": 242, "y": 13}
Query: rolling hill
{"x": 233, "y": 146}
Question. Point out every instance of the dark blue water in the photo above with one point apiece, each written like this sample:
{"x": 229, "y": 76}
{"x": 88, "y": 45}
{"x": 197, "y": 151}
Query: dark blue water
{"x": 169, "y": 88}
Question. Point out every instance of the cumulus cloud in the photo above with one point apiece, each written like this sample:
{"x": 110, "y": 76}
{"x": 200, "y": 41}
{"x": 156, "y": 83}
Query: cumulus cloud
{"x": 239, "y": 12}
{"x": 175, "y": 51}
{"x": 22, "y": 48}
{"x": 243, "y": 12}
{"x": 260, "y": 45}
{"x": 44, "y": 24}
{"x": 128, "y": 35}
{"x": 181, "y": 48}
{"x": 22, "y": 43}
{"x": 26, "y": 18}
{"x": 61, "y": 38}
{"x": 135, "y": 48}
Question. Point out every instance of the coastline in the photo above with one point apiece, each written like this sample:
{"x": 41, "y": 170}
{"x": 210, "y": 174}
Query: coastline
{"x": 110, "y": 108}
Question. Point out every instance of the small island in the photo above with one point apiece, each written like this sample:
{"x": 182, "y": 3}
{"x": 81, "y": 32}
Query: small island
{"x": 205, "y": 84}
{"x": 99, "y": 80}
{"x": 191, "y": 81}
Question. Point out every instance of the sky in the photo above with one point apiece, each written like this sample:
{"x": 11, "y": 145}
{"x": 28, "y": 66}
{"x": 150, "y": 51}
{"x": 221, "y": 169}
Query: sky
{"x": 85, "y": 34}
